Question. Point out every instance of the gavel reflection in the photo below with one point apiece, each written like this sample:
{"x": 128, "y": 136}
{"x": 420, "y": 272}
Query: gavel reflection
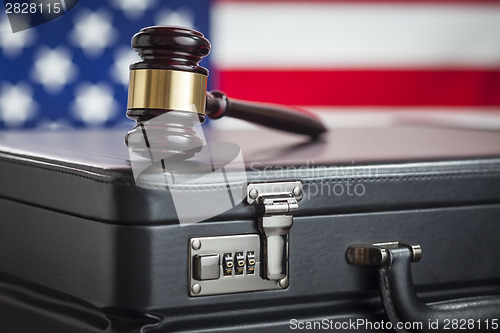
{"x": 170, "y": 79}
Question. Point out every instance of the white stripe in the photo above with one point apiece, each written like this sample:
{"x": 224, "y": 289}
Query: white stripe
{"x": 369, "y": 117}
{"x": 318, "y": 35}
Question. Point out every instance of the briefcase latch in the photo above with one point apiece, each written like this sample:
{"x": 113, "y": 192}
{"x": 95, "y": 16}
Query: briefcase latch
{"x": 276, "y": 203}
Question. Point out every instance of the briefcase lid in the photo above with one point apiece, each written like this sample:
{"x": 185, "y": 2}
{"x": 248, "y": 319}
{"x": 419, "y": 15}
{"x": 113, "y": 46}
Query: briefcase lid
{"x": 89, "y": 173}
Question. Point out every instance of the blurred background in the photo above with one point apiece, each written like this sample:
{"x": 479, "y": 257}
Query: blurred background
{"x": 333, "y": 57}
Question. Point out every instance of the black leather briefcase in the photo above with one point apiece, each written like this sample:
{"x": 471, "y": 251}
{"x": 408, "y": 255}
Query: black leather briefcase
{"x": 367, "y": 230}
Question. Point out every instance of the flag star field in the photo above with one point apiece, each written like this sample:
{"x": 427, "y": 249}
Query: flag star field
{"x": 73, "y": 71}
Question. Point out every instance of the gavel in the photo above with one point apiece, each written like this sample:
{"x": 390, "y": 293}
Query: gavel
{"x": 169, "y": 79}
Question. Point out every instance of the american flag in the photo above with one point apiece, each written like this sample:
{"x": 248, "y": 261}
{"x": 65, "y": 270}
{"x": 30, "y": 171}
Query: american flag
{"x": 325, "y": 55}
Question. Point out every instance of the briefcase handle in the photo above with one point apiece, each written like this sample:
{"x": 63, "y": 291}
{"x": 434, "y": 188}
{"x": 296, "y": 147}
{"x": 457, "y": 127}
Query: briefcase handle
{"x": 402, "y": 304}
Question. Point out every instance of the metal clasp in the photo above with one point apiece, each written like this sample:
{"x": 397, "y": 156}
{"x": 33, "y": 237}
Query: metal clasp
{"x": 377, "y": 254}
{"x": 275, "y": 203}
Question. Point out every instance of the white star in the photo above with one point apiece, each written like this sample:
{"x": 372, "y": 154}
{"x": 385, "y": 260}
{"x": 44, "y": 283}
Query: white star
{"x": 94, "y": 103}
{"x": 124, "y": 57}
{"x": 182, "y": 18}
{"x": 13, "y": 43}
{"x": 16, "y": 104}
{"x": 53, "y": 68}
{"x": 133, "y": 9}
{"x": 93, "y": 32}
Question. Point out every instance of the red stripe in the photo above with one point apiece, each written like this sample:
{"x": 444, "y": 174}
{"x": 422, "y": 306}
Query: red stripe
{"x": 365, "y": 87}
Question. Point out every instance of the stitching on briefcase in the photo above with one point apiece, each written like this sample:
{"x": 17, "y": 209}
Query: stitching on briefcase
{"x": 387, "y": 292}
{"x": 117, "y": 182}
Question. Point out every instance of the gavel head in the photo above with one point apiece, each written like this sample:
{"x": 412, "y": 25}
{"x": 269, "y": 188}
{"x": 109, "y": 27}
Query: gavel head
{"x": 168, "y": 79}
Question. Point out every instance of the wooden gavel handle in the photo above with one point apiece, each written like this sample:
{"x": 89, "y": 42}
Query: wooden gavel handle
{"x": 274, "y": 116}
